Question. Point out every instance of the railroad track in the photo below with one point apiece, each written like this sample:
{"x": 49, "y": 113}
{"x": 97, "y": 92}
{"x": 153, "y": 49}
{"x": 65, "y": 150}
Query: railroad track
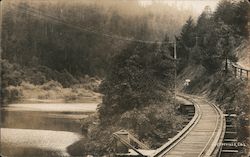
{"x": 202, "y": 135}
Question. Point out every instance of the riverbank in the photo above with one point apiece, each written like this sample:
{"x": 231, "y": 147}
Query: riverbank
{"x": 53, "y": 92}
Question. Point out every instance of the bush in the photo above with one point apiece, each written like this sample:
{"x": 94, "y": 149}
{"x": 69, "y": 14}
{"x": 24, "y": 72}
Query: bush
{"x": 153, "y": 124}
{"x": 89, "y": 83}
{"x": 52, "y": 85}
{"x": 35, "y": 77}
{"x": 66, "y": 79}
{"x": 28, "y": 86}
{"x": 12, "y": 94}
{"x": 11, "y": 74}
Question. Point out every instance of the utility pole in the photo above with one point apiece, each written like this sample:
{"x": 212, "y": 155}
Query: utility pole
{"x": 175, "y": 72}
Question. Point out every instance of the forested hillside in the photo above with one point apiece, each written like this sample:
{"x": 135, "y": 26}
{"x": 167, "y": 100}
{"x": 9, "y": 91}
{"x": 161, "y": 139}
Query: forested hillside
{"x": 80, "y": 37}
{"x": 211, "y": 40}
{"x": 65, "y": 41}
{"x": 53, "y": 45}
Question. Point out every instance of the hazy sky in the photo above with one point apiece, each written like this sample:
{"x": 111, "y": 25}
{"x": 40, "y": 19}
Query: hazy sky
{"x": 196, "y": 5}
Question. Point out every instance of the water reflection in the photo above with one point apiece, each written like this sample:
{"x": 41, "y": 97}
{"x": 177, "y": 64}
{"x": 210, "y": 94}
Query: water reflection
{"x": 63, "y": 118}
{"x": 65, "y": 121}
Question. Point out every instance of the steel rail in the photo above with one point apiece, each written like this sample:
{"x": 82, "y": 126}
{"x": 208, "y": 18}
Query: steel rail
{"x": 182, "y": 134}
{"x": 216, "y": 135}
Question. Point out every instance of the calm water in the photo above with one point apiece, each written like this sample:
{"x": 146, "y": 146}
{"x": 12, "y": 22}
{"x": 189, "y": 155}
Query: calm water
{"x": 41, "y": 129}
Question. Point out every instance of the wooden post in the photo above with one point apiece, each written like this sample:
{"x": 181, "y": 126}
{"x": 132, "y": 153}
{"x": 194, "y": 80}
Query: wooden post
{"x": 247, "y": 74}
{"x": 241, "y": 73}
{"x": 120, "y": 147}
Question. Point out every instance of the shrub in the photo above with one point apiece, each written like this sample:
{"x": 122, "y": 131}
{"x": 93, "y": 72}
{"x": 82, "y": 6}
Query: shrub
{"x": 35, "y": 77}
{"x": 153, "y": 124}
{"x": 52, "y": 85}
{"x": 11, "y": 74}
{"x": 12, "y": 94}
{"x": 66, "y": 79}
{"x": 26, "y": 85}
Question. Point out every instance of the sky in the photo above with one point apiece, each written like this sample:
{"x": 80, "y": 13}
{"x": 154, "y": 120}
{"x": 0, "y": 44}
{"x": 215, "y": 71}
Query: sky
{"x": 196, "y": 6}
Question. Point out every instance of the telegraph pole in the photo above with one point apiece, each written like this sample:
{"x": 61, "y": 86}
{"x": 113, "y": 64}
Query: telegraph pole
{"x": 175, "y": 72}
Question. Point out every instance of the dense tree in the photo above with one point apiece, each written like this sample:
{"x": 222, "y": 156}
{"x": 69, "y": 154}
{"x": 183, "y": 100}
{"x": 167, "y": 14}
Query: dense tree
{"x": 226, "y": 44}
{"x": 185, "y": 42}
{"x": 241, "y": 18}
{"x": 216, "y": 36}
{"x": 235, "y": 14}
{"x": 225, "y": 11}
{"x": 188, "y": 33}
{"x": 69, "y": 36}
{"x": 139, "y": 76}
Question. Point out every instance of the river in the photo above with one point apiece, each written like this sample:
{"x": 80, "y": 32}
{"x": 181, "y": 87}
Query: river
{"x": 41, "y": 129}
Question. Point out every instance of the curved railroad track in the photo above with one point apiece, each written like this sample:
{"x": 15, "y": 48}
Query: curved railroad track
{"x": 202, "y": 135}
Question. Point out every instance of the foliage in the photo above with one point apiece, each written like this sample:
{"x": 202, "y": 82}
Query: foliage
{"x": 51, "y": 85}
{"x": 185, "y": 42}
{"x": 30, "y": 39}
{"x": 153, "y": 124}
{"x": 14, "y": 74}
{"x": 12, "y": 94}
{"x": 139, "y": 76}
{"x": 41, "y": 82}
{"x": 235, "y": 14}
{"x": 216, "y": 34}
{"x": 11, "y": 76}
{"x": 188, "y": 33}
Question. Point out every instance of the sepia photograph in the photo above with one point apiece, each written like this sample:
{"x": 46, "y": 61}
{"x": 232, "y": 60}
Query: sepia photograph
{"x": 125, "y": 78}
